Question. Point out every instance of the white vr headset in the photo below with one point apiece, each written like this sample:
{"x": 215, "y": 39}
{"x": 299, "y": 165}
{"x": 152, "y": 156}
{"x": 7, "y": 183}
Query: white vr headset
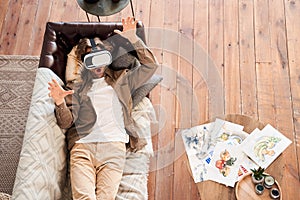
{"x": 97, "y": 58}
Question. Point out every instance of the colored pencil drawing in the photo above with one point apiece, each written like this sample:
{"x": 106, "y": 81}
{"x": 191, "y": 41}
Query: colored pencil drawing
{"x": 225, "y": 163}
{"x": 197, "y": 143}
{"x": 265, "y": 147}
{"x": 235, "y": 137}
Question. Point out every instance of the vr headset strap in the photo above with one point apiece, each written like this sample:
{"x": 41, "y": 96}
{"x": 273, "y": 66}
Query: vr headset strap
{"x": 94, "y": 46}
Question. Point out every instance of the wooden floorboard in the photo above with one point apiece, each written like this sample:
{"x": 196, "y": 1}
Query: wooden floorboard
{"x": 262, "y": 31}
{"x": 25, "y": 27}
{"x": 10, "y": 27}
{"x": 42, "y": 16}
{"x": 155, "y": 41}
{"x": 200, "y": 58}
{"x": 184, "y": 94}
{"x": 217, "y": 57}
{"x": 292, "y": 13}
{"x": 232, "y": 86}
{"x": 216, "y": 52}
{"x": 247, "y": 59}
{"x": 3, "y": 6}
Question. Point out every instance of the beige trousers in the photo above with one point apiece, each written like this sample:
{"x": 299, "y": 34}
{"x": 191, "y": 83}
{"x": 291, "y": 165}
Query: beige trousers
{"x": 96, "y": 170}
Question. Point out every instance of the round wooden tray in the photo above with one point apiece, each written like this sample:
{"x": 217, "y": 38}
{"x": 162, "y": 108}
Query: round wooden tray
{"x": 244, "y": 190}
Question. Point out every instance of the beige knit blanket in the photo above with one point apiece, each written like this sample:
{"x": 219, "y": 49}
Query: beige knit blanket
{"x": 17, "y": 76}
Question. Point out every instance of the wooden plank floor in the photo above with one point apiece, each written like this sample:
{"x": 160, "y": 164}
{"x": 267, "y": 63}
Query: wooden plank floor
{"x": 217, "y": 57}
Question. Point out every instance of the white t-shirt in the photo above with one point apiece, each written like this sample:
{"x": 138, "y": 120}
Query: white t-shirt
{"x": 109, "y": 126}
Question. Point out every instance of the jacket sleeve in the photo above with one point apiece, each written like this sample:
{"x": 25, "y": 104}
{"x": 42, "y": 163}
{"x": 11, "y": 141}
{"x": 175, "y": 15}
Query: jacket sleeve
{"x": 65, "y": 113}
{"x": 63, "y": 116}
{"x": 148, "y": 65}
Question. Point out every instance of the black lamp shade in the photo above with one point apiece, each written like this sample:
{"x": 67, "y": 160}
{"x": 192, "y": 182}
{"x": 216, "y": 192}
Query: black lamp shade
{"x": 102, "y": 7}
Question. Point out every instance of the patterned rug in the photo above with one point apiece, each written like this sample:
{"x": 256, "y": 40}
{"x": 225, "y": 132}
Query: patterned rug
{"x": 17, "y": 76}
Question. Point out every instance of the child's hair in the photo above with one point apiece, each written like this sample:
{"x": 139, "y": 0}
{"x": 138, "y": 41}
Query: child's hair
{"x": 85, "y": 43}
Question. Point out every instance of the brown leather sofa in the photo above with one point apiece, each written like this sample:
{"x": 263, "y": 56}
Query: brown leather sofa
{"x": 60, "y": 37}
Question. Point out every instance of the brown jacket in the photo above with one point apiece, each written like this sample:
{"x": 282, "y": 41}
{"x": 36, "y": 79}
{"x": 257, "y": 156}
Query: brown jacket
{"x": 77, "y": 114}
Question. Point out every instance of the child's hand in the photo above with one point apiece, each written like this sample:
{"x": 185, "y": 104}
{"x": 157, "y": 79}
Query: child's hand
{"x": 57, "y": 93}
{"x": 129, "y": 29}
{"x": 129, "y": 24}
